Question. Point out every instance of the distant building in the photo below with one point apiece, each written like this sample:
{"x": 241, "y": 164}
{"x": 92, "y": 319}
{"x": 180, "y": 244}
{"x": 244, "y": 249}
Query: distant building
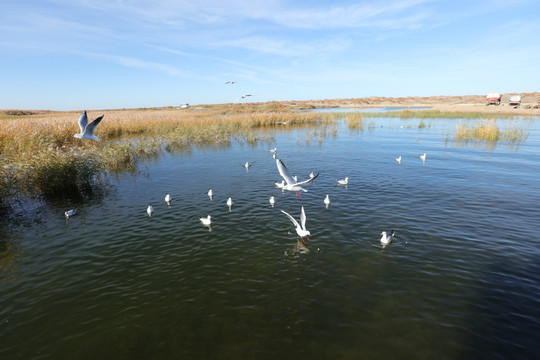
{"x": 184, "y": 106}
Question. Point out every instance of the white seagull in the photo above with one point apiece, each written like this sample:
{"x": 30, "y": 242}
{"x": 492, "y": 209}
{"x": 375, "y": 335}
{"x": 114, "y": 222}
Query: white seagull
{"x": 423, "y": 157}
{"x": 398, "y": 159}
{"x": 70, "y": 213}
{"x": 292, "y": 185}
{"x": 210, "y": 194}
{"x": 207, "y": 220}
{"x": 385, "y": 240}
{"x": 327, "y": 201}
{"x": 247, "y": 165}
{"x": 273, "y": 150}
{"x": 272, "y": 200}
{"x": 300, "y": 228}
{"x": 229, "y": 203}
{"x": 168, "y": 199}
{"x": 150, "y": 210}
{"x": 344, "y": 181}
{"x": 87, "y": 130}
{"x": 280, "y": 184}
{"x": 311, "y": 174}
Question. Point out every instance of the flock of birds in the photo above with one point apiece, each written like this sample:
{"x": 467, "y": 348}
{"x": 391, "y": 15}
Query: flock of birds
{"x": 289, "y": 183}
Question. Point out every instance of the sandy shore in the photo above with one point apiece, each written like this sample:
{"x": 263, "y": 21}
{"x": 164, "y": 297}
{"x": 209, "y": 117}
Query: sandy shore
{"x": 460, "y": 104}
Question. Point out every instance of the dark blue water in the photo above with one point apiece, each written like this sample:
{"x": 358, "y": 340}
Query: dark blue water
{"x": 460, "y": 280}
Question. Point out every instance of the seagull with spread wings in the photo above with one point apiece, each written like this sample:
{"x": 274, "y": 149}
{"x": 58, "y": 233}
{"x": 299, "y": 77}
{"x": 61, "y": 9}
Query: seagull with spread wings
{"x": 87, "y": 129}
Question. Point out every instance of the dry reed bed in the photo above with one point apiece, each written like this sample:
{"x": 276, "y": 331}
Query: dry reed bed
{"x": 40, "y": 156}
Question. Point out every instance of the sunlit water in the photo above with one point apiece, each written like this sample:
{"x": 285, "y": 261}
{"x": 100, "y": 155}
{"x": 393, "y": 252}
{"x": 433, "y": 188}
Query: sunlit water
{"x": 461, "y": 279}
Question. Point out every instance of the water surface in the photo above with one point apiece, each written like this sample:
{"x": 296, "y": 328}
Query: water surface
{"x": 460, "y": 280}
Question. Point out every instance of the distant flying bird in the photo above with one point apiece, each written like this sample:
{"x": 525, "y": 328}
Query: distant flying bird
{"x": 423, "y": 157}
{"x": 87, "y": 130}
{"x": 230, "y": 82}
{"x": 244, "y": 96}
{"x": 273, "y": 150}
{"x": 398, "y": 159}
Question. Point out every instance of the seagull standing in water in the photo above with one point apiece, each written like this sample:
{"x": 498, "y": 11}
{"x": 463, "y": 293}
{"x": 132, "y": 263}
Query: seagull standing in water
{"x": 87, "y": 130}
{"x": 300, "y": 227}
{"x": 385, "y": 240}
{"x": 272, "y": 200}
{"x": 327, "y": 201}
{"x": 150, "y": 210}
{"x": 168, "y": 199}
{"x": 207, "y": 220}
{"x": 292, "y": 185}
{"x": 210, "y": 194}
{"x": 423, "y": 157}
{"x": 344, "y": 181}
{"x": 229, "y": 203}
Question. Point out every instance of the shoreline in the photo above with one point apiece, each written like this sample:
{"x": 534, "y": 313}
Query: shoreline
{"x": 452, "y": 104}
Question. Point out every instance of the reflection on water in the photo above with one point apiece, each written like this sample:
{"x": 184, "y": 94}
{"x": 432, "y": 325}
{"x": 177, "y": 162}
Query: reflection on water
{"x": 460, "y": 278}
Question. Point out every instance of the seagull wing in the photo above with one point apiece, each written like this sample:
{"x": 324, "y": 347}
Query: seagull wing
{"x": 83, "y": 121}
{"x": 295, "y": 223}
{"x": 303, "y": 219}
{"x": 89, "y": 129}
{"x": 308, "y": 180}
{"x": 284, "y": 172}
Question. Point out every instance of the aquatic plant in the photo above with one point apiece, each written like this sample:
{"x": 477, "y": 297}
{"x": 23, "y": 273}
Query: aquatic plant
{"x": 489, "y": 131}
{"x": 40, "y": 156}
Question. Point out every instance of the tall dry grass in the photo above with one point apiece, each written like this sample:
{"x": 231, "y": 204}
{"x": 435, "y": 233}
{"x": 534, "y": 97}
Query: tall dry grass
{"x": 489, "y": 131}
{"x": 40, "y": 156}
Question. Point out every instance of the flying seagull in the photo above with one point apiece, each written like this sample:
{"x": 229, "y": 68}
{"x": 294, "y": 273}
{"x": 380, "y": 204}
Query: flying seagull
{"x": 300, "y": 228}
{"x": 244, "y": 96}
{"x": 230, "y": 82}
{"x": 292, "y": 185}
{"x": 87, "y": 130}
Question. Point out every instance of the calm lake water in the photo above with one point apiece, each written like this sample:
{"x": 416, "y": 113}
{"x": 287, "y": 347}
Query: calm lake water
{"x": 461, "y": 280}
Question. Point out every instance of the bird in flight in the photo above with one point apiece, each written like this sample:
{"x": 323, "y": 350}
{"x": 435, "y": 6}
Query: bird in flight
{"x": 87, "y": 130}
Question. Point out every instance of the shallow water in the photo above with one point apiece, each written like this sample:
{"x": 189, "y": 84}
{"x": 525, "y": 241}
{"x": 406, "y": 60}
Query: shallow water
{"x": 460, "y": 280}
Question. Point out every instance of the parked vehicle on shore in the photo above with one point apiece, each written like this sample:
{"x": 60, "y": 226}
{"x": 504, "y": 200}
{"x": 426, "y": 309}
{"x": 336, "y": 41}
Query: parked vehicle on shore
{"x": 493, "y": 99}
{"x": 514, "y": 100}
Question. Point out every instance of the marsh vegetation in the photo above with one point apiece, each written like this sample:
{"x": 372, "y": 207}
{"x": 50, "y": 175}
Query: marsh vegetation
{"x": 40, "y": 156}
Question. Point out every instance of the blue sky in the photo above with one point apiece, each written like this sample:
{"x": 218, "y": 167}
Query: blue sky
{"x": 105, "y": 54}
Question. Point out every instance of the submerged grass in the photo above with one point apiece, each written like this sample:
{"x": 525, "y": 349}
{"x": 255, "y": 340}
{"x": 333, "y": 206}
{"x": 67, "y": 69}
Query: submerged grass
{"x": 40, "y": 156}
